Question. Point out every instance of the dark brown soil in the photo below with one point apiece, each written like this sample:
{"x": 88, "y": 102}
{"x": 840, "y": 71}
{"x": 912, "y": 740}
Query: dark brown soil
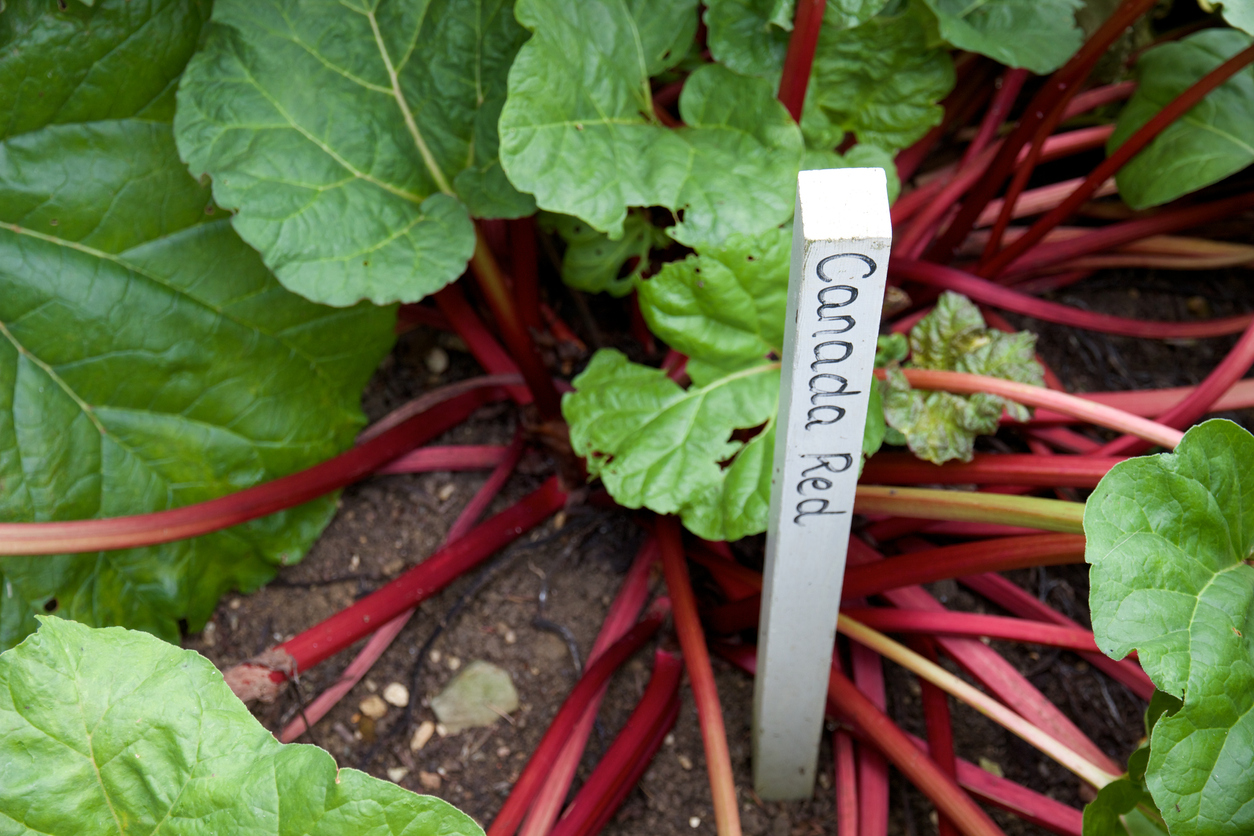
{"x": 388, "y": 524}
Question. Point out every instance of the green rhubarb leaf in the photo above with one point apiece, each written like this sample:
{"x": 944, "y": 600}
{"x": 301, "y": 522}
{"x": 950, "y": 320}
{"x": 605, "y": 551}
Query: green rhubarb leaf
{"x": 1116, "y": 811}
{"x": 1169, "y": 538}
{"x": 658, "y": 446}
{"x": 579, "y": 132}
{"x": 109, "y": 732}
{"x": 724, "y": 308}
{"x": 148, "y": 360}
{"x": 1037, "y": 35}
{"x": 1210, "y": 142}
{"x": 751, "y": 36}
{"x": 595, "y": 263}
{"x": 881, "y": 81}
{"x": 354, "y": 138}
{"x": 939, "y": 426}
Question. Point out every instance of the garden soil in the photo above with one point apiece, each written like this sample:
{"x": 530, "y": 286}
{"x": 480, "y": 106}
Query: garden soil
{"x": 552, "y": 589}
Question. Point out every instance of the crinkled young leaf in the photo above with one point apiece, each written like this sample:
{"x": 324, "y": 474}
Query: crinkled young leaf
{"x": 578, "y": 129}
{"x": 147, "y": 358}
{"x": 1213, "y": 140}
{"x": 1168, "y": 538}
{"x": 939, "y": 426}
{"x": 110, "y": 732}
{"x": 661, "y": 447}
{"x": 751, "y": 36}
{"x": 354, "y": 137}
{"x": 594, "y": 262}
{"x": 1037, "y": 35}
{"x": 881, "y": 81}
{"x": 1114, "y": 812}
{"x": 723, "y": 308}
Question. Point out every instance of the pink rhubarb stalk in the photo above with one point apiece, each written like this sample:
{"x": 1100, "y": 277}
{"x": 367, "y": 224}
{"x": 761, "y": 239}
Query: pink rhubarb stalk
{"x": 800, "y": 56}
{"x": 249, "y": 504}
{"x": 623, "y": 613}
{"x": 701, "y": 678}
{"x": 546, "y": 753}
{"x": 990, "y": 469}
{"x": 449, "y": 457}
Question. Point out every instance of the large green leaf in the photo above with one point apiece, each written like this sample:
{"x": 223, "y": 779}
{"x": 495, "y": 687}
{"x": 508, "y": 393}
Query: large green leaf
{"x": 1038, "y": 35}
{"x": 658, "y": 446}
{"x": 1213, "y": 140}
{"x": 881, "y": 81}
{"x": 354, "y": 137}
{"x": 1169, "y": 538}
{"x": 109, "y": 732}
{"x": 147, "y": 358}
{"x": 939, "y": 426}
{"x": 1238, "y": 13}
{"x": 579, "y": 132}
{"x": 751, "y": 36}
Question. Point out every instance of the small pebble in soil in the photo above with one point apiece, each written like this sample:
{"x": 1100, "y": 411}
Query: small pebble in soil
{"x": 445, "y": 492}
{"x": 353, "y": 563}
{"x": 669, "y": 740}
{"x": 436, "y": 360}
{"x": 396, "y": 694}
{"x": 235, "y": 604}
{"x": 435, "y": 657}
{"x": 454, "y": 663}
{"x": 685, "y": 762}
{"x": 397, "y": 773}
{"x": 422, "y": 734}
{"x": 370, "y": 685}
{"x": 502, "y": 752}
{"x": 429, "y": 780}
{"x": 210, "y": 634}
{"x": 373, "y": 706}
{"x": 694, "y": 822}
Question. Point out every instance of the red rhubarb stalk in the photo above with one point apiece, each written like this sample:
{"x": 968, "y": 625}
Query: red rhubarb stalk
{"x": 940, "y": 733}
{"x": 1008, "y": 87}
{"x": 546, "y": 753}
{"x": 893, "y": 620}
{"x": 1042, "y": 113}
{"x": 630, "y": 753}
{"x": 1150, "y": 402}
{"x": 1013, "y": 598}
{"x": 449, "y": 457}
{"x": 990, "y": 469}
{"x": 800, "y": 56}
{"x": 846, "y": 769}
{"x": 701, "y": 678}
{"x": 513, "y": 331}
{"x": 867, "y": 672}
{"x": 382, "y": 639}
{"x": 236, "y": 508}
{"x": 325, "y": 639}
{"x": 478, "y": 338}
{"x": 988, "y": 293}
{"x": 623, "y": 613}
{"x": 523, "y": 262}
{"x": 1199, "y": 401}
{"x": 1142, "y": 137}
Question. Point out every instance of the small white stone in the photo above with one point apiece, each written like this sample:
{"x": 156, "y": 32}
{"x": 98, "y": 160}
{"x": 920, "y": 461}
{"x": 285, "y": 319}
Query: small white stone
{"x": 371, "y": 686}
{"x": 396, "y": 694}
{"x": 445, "y": 492}
{"x": 453, "y": 663}
{"x": 510, "y": 637}
{"x": 422, "y": 734}
{"x": 441, "y": 729}
{"x": 694, "y": 822}
{"x": 685, "y": 762}
{"x": 436, "y": 360}
{"x": 397, "y": 773}
{"x": 373, "y": 707}
{"x": 353, "y": 563}
{"x": 435, "y": 657}
{"x": 669, "y": 740}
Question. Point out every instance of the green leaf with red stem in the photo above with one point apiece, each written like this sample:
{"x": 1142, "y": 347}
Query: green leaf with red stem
{"x": 1208, "y": 143}
{"x": 114, "y": 732}
{"x": 148, "y": 360}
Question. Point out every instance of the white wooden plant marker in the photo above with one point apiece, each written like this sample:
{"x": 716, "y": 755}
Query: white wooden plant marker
{"x": 841, "y": 239}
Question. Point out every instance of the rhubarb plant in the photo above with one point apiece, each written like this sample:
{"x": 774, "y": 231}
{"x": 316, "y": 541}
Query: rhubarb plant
{"x": 108, "y": 731}
{"x": 940, "y": 426}
{"x": 148, "y": 359}
{"x": 1170, "y": 538}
